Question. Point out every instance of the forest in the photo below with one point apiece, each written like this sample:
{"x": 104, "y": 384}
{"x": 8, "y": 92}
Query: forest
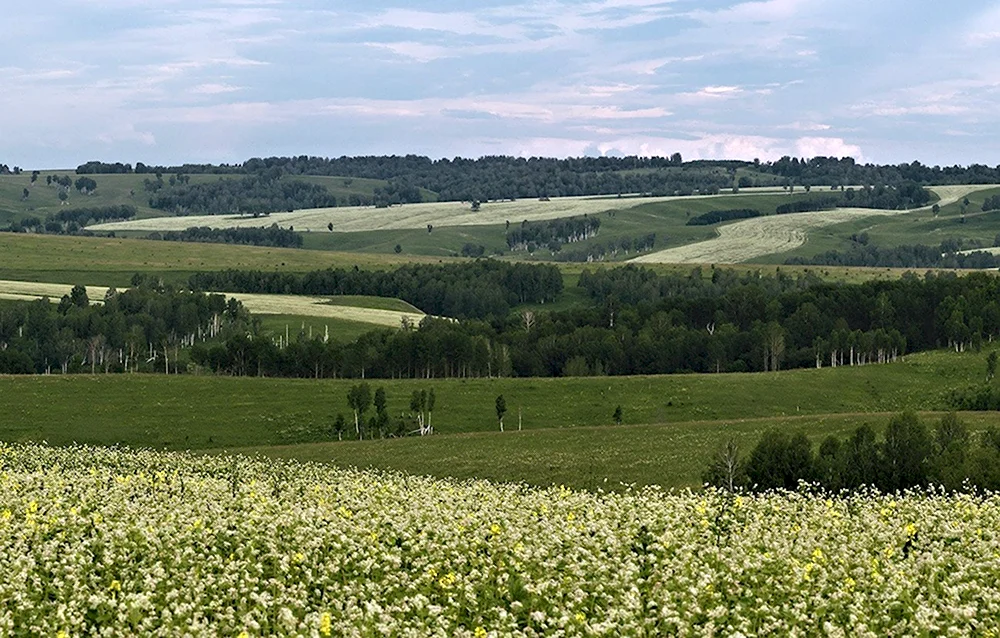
{"x": 552, "y": 233}
{"x": 141, "y": 329}
{"x": 71, "y": 221}
{"x": 637, "y": 322}
{"x": 478, "y": 290}
{"x": 504, "y": 177}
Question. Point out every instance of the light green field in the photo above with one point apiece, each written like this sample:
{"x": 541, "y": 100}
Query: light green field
{"x": 568, "y": 432}
{"x": 112, "y": 261}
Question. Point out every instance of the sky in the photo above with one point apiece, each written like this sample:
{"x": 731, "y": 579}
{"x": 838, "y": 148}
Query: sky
{"x": 176, "y": 81}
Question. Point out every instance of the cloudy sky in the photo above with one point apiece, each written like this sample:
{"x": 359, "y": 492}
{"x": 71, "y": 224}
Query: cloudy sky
{"x": 223, "y": 80}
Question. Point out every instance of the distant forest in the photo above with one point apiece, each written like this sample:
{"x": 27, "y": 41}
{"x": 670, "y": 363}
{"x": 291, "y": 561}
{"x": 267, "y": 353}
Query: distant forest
{"x": 637, "y": 322}
{"x": 504, "y": 177}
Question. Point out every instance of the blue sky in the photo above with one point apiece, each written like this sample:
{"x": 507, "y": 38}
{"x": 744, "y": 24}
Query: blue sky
{"x": 223, "y": 80}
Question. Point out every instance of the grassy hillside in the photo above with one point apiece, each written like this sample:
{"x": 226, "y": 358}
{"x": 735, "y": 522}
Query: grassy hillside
{"x": 127, "y": 189}
{"x": 687, "y": 415}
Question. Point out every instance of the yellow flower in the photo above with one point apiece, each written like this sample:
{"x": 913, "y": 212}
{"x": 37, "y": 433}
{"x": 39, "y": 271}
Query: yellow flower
{"x": 495, "y": 529}
{"x": 580, "y": 618}
{"x": 115, "y": 586}
{"x": 911, "y": 529}
{"x": 480, "y": 632}
{"x": 325, "y": 624}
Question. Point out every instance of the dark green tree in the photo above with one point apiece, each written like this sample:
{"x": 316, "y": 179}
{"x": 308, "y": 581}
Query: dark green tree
{"x": 905, "y": 453}
{"x": 501, "y": 408}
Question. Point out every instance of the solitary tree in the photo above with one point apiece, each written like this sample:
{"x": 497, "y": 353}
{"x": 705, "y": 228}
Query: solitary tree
{"x": 339, "y": 425}
{"x": 359, "y": 398}
{"x": 618, "y": 415}
{"x": 991, "y": 366}
{"x": 430, "y": 409}
{"x": 501, "y": 406}
{"x": 727, "y": 468}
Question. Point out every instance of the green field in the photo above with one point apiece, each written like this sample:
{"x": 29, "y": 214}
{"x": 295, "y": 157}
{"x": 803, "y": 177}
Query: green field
{"x": 112, "y": 261}
{"x": 671, "y": 423}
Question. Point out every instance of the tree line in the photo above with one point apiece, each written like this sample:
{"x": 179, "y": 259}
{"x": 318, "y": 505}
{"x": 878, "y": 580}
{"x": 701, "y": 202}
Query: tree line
{"x": 270, "y": 236}
{"x": 255, "y": 194}
{"x": 643, "y": 323}
{"x": 600, "y": 250}
{"x": 71, "y": 221}
{"x": 481, "y": 289}
{"x": 862, "y": 253}
{"x": 718, "y": 216}
{"x": 146, "y": 328}
{"x": 909, "y": 455}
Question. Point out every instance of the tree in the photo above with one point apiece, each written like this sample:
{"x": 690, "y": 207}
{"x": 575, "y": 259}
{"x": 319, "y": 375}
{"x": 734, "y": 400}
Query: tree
{"x": 501, "y": 406}
{"x": 398, "y": 249}
{"x": 381, "y": 419}
{"x": 329, "y": 227}
{"x": 63, "y": 196}
{"x": 617, "y": 416}
{"x": 78, "y": 296}
{"x": 905, "y": 453}
{"x": 991, "y": 365}
{"x": 726, "y": 469}
{"x": 339, "y": 425}
{"x": 418, "y": 403}
{"x": 359, "y": 398}
{"x": 24, "y": 193}
{"x": 780, "y": 461}
{"x": 430, "y": 227}
{"x": 952, "y": 442}
{"x": 475, "y": 205}
{"x": 936, "y": 209}
{"x": 431, "y": 399}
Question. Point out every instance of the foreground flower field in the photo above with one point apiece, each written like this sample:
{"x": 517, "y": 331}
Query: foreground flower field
{"x": 99, "y": 541}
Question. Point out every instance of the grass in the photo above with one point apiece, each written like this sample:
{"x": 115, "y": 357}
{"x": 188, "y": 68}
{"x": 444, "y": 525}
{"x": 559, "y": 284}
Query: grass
{"x": 566, "y": 421}
{"x": 671, "y": 455}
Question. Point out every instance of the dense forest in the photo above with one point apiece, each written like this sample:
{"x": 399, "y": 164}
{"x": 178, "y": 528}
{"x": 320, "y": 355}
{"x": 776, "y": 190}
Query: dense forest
{"x": 640, "y": 322}
{"x": 637, "y": 322}
{"x": 713, "y": 217}
{"x": 478, "y": 290}
{"x": 909, "y": 455}
{"x": 143, "y": 329}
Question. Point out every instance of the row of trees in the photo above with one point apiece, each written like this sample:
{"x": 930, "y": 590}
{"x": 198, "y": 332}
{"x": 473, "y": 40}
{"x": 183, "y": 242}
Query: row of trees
{"x": 909, "y": 455}
{"x": 255, "y": 194}
{"x": 718, "y": 216}
{"x": 71, "y": 221}
{"x": 270, "y": 236}
{"x": 862, "y": 253}
{"x": 482, "y": 289}
{"x": 599, "y": 251}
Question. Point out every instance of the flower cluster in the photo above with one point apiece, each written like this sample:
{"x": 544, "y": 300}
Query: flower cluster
{"x": 113, "y": 542}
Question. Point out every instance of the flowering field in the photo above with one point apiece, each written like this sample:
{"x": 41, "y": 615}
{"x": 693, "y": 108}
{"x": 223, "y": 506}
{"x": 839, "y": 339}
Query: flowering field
{"x": 141, "y": 543}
